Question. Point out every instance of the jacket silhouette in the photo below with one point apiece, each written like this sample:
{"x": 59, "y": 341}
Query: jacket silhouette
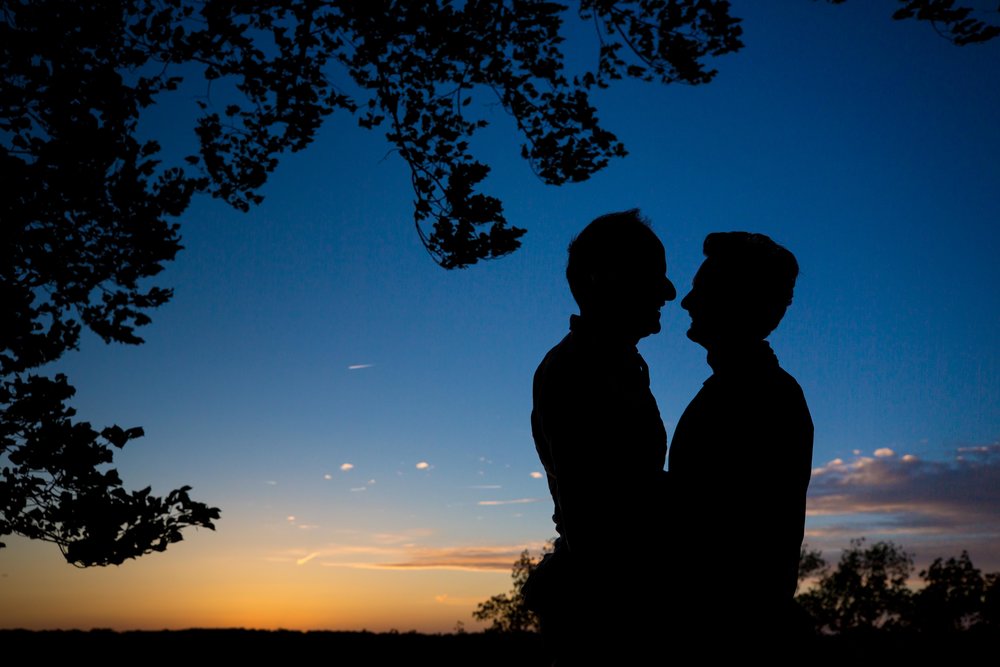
{"x": 599, "y": 436}
{"x": 741, "y": 457}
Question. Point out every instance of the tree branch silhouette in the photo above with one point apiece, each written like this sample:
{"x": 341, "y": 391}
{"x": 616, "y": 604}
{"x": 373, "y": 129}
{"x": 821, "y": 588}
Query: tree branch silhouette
{"x": 90, "y": 204}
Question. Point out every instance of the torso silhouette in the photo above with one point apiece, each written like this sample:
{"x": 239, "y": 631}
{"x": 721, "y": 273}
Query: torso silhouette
{"x": 739, "y": 467}
{"x": 599, "y": 435}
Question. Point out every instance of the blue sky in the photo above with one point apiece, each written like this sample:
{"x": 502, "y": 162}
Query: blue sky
{"x": 361, "y": 415}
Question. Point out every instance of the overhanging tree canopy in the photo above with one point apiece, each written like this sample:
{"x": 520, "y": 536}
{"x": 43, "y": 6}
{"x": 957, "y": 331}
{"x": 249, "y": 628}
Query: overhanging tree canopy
{"x": 89, "y": 205}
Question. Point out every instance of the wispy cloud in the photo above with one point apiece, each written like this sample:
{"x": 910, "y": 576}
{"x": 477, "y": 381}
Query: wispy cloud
{"x": 306, "y": 559}
{"x": 358, "y": 367}
{"x": 514, "y": 501}
{"x": 497, "y": 558}
{"x": 411, "y": 556}
{"x": 486, "y": 486}
{"x": 423, "y": 465}
{"x": 404, "y": 537}
{"x": 537, "y": 475}
{"x": 346, "y": 466}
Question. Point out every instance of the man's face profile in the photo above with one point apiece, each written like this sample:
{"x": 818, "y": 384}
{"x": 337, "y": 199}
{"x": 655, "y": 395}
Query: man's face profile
{"x": 636, "y": 289}
{"x": 712, "y": 305}
{"x": 741, "y": 291}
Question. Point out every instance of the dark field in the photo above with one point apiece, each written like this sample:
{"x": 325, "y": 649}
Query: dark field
{"x": 186, "y": 648}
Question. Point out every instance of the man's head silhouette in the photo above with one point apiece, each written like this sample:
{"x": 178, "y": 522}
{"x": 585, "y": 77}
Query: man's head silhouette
{"x": 741, "y": 291}
{"x": 617, "y": 271}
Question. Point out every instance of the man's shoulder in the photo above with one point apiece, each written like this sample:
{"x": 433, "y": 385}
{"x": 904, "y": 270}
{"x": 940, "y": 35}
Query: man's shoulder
{"x": 558, "y": 357}
{"x": 758, "y": 380}
{"x": 779, "y": 389}
{"x": 786, "y": 382}
{"x": 769, "y": 395}
{"x": 576, "y": 365}
{"x": 789, "y": 399}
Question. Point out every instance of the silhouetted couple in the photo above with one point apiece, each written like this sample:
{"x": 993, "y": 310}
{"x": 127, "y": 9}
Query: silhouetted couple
{"x": 704, "y": 557}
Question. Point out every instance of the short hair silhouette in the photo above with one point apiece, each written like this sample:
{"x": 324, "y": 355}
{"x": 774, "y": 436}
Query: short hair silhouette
{"x": 609, "y": 242}
{"x": 760, "y": 273}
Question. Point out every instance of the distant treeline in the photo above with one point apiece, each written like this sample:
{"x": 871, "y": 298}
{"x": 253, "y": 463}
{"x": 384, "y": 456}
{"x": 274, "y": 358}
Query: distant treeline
{"x": 867, "y": 593}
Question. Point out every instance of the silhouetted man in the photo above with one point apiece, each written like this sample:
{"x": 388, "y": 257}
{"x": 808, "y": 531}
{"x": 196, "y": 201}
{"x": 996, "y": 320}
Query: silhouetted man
{"x": 741, "y": 457}
{"x": 599, "y": 436}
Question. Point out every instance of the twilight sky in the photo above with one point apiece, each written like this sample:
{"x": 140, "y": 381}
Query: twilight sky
{"x": 361, "y": 415}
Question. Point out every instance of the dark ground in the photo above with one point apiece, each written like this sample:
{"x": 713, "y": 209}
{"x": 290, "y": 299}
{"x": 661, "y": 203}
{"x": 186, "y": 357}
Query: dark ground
{"x": 187, "y": 648}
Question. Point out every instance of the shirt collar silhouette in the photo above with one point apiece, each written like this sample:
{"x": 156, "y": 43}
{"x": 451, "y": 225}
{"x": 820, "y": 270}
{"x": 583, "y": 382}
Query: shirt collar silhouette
{"x": 744, "y": 358}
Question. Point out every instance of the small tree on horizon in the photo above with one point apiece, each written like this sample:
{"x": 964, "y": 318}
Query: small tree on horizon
{"x": 507, "y": 612}
{"x": 953, "y": 596}
{"x": 867, "y": 590}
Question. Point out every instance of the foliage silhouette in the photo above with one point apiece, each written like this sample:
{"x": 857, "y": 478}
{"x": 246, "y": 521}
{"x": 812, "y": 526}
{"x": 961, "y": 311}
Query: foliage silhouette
{"x": 956, "y": 23}
{"x": 54, "y": 489}
{"x": 811, "y": 564}
{"x": 89, "y": 206}
{"x": 990, "y": 613}
{"x": 867, "y": 589}
{"x": 953, "y": 597}
{"x": 507, "y": 612}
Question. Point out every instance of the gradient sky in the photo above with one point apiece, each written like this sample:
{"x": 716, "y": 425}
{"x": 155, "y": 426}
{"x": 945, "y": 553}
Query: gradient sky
{"x": 361, "y": 416}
